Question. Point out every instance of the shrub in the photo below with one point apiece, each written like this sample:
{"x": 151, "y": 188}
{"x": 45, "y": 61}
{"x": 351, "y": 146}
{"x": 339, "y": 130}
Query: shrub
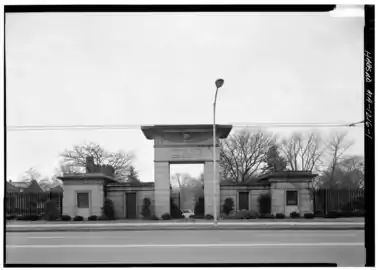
{"x": 333, "y": 214}
{"x": 103, "y": 217}
{"x": 165, "y": 216}
{"x": 319, "y": 214}
{"x": 266, "y": 216}
{"x": 78, "y": 218}
{"x": 108, "y": 209}
{"x": 93, "y": 217}
{"x": 264, "y": 203}
{"x": 197, "y": 216}
{"x": 295, "y": 215}
{"x": 228, "y": 206}
{"x": 11, "y": 217}
{"x": 208, "y": 217}
{"x": 241, "y": 214}
{"x": 65, "y": 218}
{"x": 153, "y": 217}
{"x": 359, "y": 213}
{"x": 33, "y": 217}
{"x": 280, "y": 215}
{"x": 346, "y": 213}
{"x": 51, "y": 211}
{"x": 251, "y": 215}
{"x": 358, "y": 203}
{"x": 199, "y": 209}
{"x": 175, "y": 211}
{"x": 146, "y": 212}
{"x": 28, "y": 218}
{"x": 308, "y": 215}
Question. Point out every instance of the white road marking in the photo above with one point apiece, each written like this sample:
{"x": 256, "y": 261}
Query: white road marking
{"x": 302, "y": 234}
{"x": 189, "y": 245}
{"x": 184, "y": 224}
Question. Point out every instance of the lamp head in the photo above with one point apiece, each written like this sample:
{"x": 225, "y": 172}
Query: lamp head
{"x": 219, "y": 83}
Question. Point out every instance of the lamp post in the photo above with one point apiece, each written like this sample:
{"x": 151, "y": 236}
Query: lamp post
{"x": 218, "y": 84}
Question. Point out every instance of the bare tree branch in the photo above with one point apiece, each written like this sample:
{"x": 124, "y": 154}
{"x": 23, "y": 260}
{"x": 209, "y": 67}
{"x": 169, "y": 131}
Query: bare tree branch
{"x": 302, "y": 152}
{"x": 243, "y": 153}
{"x": 120, "y": 161}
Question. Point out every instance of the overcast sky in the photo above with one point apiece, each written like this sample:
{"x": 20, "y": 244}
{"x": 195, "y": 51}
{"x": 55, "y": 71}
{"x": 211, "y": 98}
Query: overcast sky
{"x": 130, "y": 68}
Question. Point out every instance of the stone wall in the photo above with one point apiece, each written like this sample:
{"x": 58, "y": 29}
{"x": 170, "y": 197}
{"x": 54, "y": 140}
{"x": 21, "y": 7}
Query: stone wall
{"x": 117, "y": 193}
{"x": 233, "y": 192}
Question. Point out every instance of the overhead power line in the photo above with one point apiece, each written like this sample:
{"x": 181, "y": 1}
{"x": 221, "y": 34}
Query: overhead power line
{"x": 138, "y": 127}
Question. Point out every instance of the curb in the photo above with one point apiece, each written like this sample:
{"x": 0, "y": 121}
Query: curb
{"x": 183, "y": 227}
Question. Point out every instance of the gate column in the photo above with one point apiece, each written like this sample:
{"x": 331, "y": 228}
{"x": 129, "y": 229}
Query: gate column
{"x": 162, "y": 189}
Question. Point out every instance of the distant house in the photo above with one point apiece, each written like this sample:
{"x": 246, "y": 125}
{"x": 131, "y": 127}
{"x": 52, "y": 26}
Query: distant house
{"x": 11, "y": 188}
{"x": 24, "y": 187}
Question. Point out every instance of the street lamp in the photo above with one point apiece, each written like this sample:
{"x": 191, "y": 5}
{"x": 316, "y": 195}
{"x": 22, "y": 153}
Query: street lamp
{"x": 218, "y": 84}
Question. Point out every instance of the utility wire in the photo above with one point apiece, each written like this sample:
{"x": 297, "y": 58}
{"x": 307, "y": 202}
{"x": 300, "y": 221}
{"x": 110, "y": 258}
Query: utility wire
{"x": 138, "y": 127}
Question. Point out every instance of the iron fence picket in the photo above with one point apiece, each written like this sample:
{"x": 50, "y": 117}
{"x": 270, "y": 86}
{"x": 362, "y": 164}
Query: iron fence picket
{"x": 326, "y": 200}
{"x": 24, "y": 204}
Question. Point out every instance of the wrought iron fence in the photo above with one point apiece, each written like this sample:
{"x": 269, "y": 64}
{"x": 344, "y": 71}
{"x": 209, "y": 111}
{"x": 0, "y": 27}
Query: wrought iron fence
{"x": 24, "y": 204}
{"x": 326, "y": 200}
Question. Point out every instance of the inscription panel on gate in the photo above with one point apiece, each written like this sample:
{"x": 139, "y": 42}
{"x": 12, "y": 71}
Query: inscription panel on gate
{"x": 185, "y": 154}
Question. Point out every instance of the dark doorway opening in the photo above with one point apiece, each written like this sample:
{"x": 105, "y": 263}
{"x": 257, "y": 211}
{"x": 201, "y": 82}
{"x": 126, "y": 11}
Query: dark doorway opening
{"x": 131, "y": 205}
{"x": 243, "y": 201}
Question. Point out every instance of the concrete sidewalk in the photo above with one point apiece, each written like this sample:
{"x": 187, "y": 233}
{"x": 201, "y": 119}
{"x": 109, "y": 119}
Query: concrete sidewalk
{"x": 222, "y": 225}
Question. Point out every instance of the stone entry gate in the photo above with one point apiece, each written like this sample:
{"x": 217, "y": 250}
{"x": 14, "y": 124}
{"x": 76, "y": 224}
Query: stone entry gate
{"x": 183, "y": 144}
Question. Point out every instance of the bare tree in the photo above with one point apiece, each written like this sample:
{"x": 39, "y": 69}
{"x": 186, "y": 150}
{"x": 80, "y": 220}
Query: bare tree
{"x": 31, "y": 174}
{"x": 242, "y": 154}
{"x": 76, "y": 158}
{"x": 303, "y": 152}
{"x": 184, "y": 180}
{"x": 337, "y": 147}
{"x": 342, "y": 170}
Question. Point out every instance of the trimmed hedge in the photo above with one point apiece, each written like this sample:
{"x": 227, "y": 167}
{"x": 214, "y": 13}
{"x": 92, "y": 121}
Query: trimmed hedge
{"x": 197, "y": 216}
{"x": 208, "y": 217}
{"x": 78, "y": 218}
{"x": 319, "y": 214}
{"x": 266, "y": 216}
{"x": 28, "y": 218}
{"x": 280, "y": 215}
{"x": 65, "y": 218}
{"x": 92, "y": 218}
{"x": 308, "y": 215}
{"x": 153, "y": 217}
{"x": 165, "y": 216}
{"x": 333, "y": 214}
{"x": 295, "y": 215}
{"x": 103, "y": 217}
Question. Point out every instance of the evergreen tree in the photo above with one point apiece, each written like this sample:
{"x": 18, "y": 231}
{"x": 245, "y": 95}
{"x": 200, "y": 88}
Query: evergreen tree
{"x": 275, "y": 162}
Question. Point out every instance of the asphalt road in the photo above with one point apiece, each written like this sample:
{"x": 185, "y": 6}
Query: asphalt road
{"x": 346, "y": 248}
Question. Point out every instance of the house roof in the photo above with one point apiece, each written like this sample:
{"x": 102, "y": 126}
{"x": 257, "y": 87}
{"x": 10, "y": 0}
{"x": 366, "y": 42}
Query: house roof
{"x": 11, "y": 188}
{"x": 20, "y": 184}
{"x": 288, "y": 174}
{"x": 254, "y": 181}
{"x": 134, "y": 184}
{"x": 88, "y": 176}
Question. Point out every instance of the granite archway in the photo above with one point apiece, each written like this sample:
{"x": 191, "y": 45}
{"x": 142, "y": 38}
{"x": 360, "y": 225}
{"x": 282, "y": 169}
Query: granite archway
{"x": 175, "y": 144}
